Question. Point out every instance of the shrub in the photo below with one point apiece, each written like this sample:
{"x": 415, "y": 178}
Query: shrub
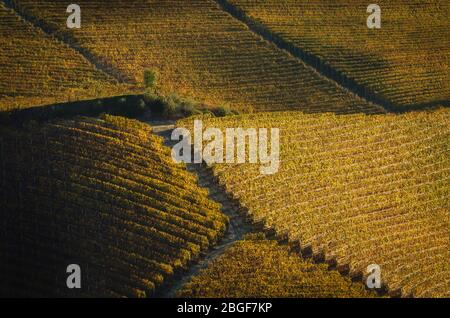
{"x": 207, "y": 114}
{"x": 188, "y": 107}
{"x": 170, "y": 105}
{"x": 222, "y": 111}
{"x": 141, "y": 104}
{"x": 154, "y": 101}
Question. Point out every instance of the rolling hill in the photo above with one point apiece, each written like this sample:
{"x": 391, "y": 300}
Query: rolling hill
{"x": 103, "y": 194}
{"x": 355, "y": 190}
{"x": 403, "y": 64}
{"x": 262, "y": 268}
{"x": 200, "y": 52}
{"x": 38, "y": 70}
{"x": 363, "y": 175}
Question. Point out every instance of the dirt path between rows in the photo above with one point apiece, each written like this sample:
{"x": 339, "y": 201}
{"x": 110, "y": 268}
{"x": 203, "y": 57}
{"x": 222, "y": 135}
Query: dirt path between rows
{"x": 238, "y": 226}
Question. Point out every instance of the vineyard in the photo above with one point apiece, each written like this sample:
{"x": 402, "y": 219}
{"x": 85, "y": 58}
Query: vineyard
{"x": 36, "y": 69}
{"x": 200, "y": 52}
{"x": 364, "y": 163}
{"x": 101, "y": 193}
{"x": 355, "y": 190}
{"x": 406, "y": 62}
{"x": 262, "y": 268}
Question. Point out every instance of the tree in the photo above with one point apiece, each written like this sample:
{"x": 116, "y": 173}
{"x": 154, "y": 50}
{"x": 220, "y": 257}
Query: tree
{"x": 150, "y": 79}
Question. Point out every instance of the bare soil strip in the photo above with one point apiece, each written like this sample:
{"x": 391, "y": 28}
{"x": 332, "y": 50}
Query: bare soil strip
{"x": 237, "y": 228}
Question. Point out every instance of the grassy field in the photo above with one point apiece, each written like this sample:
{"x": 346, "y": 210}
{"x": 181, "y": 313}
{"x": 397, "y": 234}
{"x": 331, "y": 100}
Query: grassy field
{"x": 37, "y": 70}
{"x": 405, "y": 62}
{"x": 355, "y": 190}
{"x": 200, "y": 52}
{"x": 101, "y": 193}
{"x": 262, "y": 268}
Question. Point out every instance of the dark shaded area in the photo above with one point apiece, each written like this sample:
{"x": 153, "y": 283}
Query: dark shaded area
{"x": 96, "y": 196}
{"x": 131, "y": 106}
{"x": 35, "y": 242}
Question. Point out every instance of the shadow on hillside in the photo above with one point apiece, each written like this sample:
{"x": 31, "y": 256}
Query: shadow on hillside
{"x": 131, "y": 106}
{"x": 128, "y": 106}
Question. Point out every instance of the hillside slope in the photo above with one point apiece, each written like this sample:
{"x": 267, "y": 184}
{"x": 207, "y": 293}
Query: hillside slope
{"x": 200, "y": 51}
{"x": 103, "y": 194}
{"x": 355, "y": 190}
{"x": 262, "y": 268}
{"x": 36, "y": 69}
{"x": 405, "y": 63}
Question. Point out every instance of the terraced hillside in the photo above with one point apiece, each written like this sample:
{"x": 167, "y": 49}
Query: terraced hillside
{"x": 262, "y": 268}
{"x": 36, "y": 69}
{"x": 200, "y": 51}
{"x": 405, "y": 63}
{"x": 103, "y": 194}
{"x": 356, "y": 190}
